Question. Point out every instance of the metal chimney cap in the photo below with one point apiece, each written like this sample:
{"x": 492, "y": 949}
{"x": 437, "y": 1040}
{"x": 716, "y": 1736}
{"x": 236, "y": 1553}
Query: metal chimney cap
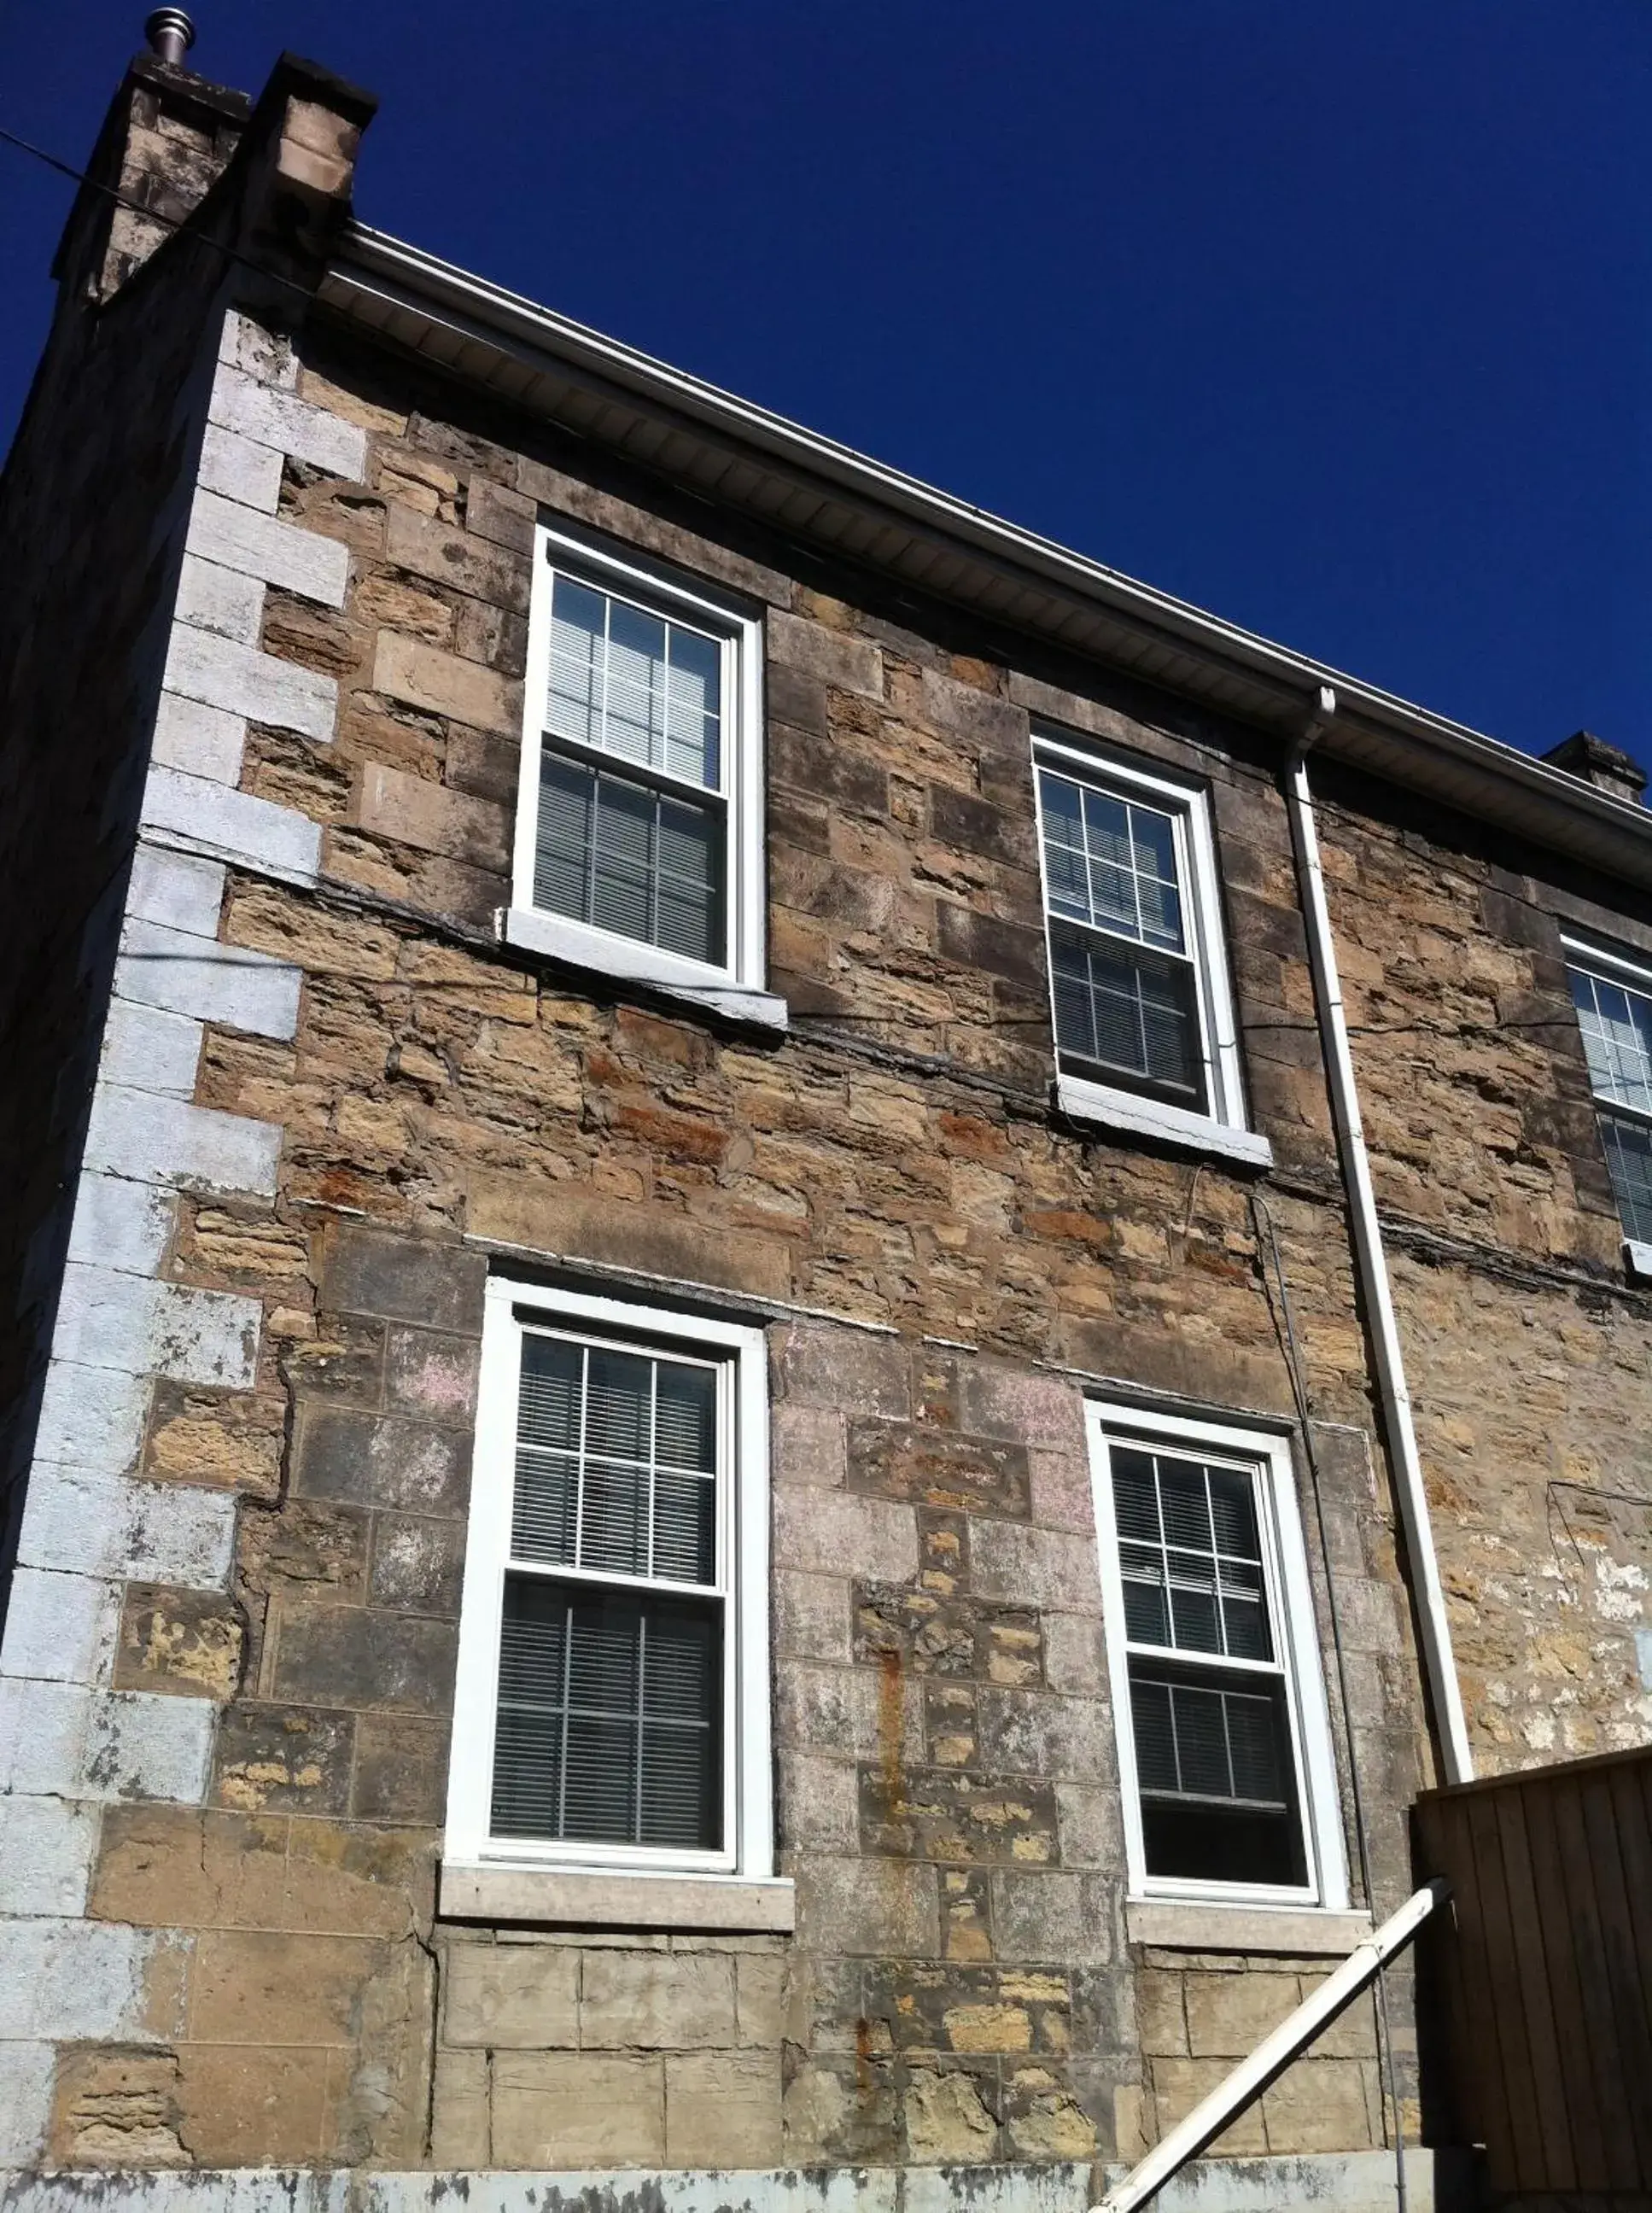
{"x": 171, "y": 35}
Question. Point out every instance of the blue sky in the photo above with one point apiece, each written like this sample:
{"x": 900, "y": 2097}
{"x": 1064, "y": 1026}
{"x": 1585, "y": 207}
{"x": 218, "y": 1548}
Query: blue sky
{"x": 1334, "y": 318}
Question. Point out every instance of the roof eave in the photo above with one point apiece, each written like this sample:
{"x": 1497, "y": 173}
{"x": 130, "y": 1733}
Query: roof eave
{"x": 826, "y": 492}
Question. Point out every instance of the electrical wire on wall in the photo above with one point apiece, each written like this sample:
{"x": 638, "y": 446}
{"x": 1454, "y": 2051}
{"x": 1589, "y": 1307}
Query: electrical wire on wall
{"x": 1262, "y": 1220}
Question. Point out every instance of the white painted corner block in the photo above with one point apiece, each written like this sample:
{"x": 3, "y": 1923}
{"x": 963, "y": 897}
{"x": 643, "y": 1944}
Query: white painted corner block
{"x": 92, "y": 1526}
{"x": 241, "y": 469}
{"x": 121, "y": 1224}
{"x": 60, "y": 1628}
{"x": 91, "y": 1418}
{"x": 239, "y": 537}
{"x": 199, "y": 740}
{"x": 46, "y": 1849}
{"x": 107, "y": 1318}
{"x": 149, "y": 1050}
{"x": 78, "y": 1980}
{"x": 222, "y": 673}
{"x": 171, "y": 1141}
{"x": 178, "y": 889}
{"x": 265, "y": 355}
{"x": 243, "y": 403}
{"x": 61, "y": 1739}
{"x": 237, "y": 824}
{"x": 222, "y": 598}
{"x": 26, "y": 2073}
{"x": 184, "y": 974}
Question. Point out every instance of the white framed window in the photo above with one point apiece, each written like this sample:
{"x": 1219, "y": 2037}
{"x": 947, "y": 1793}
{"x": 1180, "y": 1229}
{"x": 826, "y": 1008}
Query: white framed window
{"x": 639, "y": 818}
{"x": 1224, "y": 1736}
{"x": 1145, "y": 1027}
{"x": 613, "y": 1701}
{"x": 1613, "y": 994}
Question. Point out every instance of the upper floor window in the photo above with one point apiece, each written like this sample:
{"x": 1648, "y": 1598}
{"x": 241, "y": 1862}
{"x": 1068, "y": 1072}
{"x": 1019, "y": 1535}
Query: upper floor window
{"x": 1143, "y": 1016}
{"x": 639, "y": 818}
{"x": 1614, "y": 998}
{"x": 1224, "y": 1750}
{"x": 613, "y": 1698}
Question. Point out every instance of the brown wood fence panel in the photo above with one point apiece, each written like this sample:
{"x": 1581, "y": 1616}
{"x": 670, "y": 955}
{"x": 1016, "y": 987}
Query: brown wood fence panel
{"x": 1545, "y": 1968}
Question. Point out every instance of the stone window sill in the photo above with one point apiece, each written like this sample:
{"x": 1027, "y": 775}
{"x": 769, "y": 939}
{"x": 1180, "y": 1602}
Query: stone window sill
{"x": 1182, "y": 1925}
{"x": 603, "y": 1898}
{"x": 618, "y": 962}
{"x": 1637, "y": 1258}
{"x": 1099, "y": 1106}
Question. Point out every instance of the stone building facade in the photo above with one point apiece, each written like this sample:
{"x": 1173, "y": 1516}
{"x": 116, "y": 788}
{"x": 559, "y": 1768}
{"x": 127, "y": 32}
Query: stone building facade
{"x": 320, "y": 1123}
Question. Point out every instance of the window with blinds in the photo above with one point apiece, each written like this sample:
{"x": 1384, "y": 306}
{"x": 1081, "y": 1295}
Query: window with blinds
{"x": 610, "y": 1689}
{"x": 612, "y": 1709}
{"x": 632, "y": 829}
{"x": 1123, "y": 969}
{"x": 1207, "y": 1663}
{"x": 1613, "y": 1000}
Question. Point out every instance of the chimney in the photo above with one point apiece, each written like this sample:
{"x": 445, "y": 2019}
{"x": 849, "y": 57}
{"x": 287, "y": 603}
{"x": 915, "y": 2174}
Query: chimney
{"x": 1595, "y": 762}
{"x": 166, "y": 140}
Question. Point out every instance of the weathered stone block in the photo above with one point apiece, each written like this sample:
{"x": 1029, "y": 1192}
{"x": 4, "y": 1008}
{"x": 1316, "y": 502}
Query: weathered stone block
{"x": 654, "y": 2001}
{"x": 283, "y": 1758}
{"x": 350, "y": 1657}
{"x": 938, "y": 1467}
{"x": 181, "y": 1640}
{"x": 940, "y": 1814}
{"x": 722, "y": 2109}
{"x": 444, "y": 683}
{"x": 415, "y": 812}
{"x": 462, "y": 559}
{"x": 401, "y": 1769}
{"x": 418, "y": 1564}
{"x": 411, "y": 1279}
{"x": 431, "y": 1375}
{"x": 375, "y": 1461}
{"x": 568, "y": 2109}
{"x": 513, "y": 1996}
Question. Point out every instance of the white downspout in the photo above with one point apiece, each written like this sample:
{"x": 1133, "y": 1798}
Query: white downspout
{"x": 1434, "y": 1628}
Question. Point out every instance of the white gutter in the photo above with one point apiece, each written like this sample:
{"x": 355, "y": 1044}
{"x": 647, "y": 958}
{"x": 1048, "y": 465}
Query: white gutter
{"x": 1434, "y": 1628}
{"x": 1273, "y": 2055}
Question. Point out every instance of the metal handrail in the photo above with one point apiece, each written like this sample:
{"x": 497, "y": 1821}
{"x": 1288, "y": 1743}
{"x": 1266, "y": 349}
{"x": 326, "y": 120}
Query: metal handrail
{"x": 1274, "y": 2054}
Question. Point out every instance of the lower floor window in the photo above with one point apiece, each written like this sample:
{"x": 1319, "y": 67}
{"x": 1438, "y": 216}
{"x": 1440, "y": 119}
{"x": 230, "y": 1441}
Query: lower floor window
{"x": 1224, "y": 1742}
{"x": 612, "y": 1679}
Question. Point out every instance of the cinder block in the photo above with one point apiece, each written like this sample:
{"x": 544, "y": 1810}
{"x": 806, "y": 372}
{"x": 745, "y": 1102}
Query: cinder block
{"x": 225, "y": 601}
{"x": 236, "y": 824}
{"x": 134, "y": 1133}
{"x": 279, "y": 418}
{"x": 261, "y": 546}
{"x": 244, "y": 681}
{"x": 107, "y": 1319}
{"x": 513, "y": 1997}
{"x": 722, "y": 2109}
{"x": 214, "y": 983}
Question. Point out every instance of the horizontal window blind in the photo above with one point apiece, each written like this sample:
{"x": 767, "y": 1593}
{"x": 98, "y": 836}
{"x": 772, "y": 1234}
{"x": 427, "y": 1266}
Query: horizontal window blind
{"x": 608, "y": 1726}
{"x": 628, "y": 681}
{"x": 1124, "y": 977}
{"x": 627, "y": 858}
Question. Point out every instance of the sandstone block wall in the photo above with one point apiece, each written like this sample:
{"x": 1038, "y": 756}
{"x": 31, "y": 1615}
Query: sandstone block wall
{"x": 1527, "y": 1346}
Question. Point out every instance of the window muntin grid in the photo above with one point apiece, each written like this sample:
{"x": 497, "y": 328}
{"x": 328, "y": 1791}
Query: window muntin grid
{"x": 1125, "y": 980}
{"x": 626, "y": 680}
{"x": 1615, "y": 1020}
{"x": 1210, "y": 1723}
{"x": 609, "y": 1688}
{"x": 632, "y": 821}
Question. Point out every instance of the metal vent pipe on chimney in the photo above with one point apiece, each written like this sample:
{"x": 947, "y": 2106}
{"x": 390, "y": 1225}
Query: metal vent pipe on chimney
{"x": 171, "y": 35}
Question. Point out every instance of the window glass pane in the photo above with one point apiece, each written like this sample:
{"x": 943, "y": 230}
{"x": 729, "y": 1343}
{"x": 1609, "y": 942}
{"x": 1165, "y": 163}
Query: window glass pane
{"x": 616, "y": 1467}
{"x": 634, "y": 683}
{"x": 607, "y": 1723}
{"x": 1110, "y": 863}
{"x": 1217, "y": 1784}
{"x": 1629, "y": 1159}
{"x": 1135, "y": 1493}
{"x": 1199, "y": 1587}
{"x": 1617, "y": 1027}
{"x": 625, "y": 859}
{"x": 1128, "y": 1011}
